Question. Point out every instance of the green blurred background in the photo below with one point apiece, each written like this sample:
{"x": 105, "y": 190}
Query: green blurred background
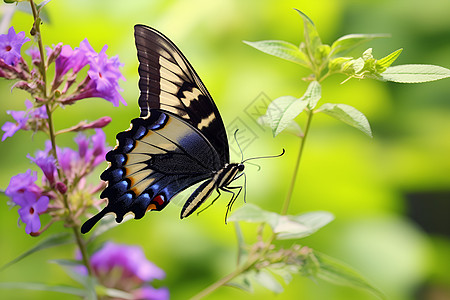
{"x": 390, "y": 194}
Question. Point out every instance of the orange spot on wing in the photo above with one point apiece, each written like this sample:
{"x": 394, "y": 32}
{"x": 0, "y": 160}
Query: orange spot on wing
{"x": 151, "y": 207}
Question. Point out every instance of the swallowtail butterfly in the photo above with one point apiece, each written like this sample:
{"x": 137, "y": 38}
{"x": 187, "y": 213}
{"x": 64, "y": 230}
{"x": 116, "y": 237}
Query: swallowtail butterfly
{"x": 178, "y": 140}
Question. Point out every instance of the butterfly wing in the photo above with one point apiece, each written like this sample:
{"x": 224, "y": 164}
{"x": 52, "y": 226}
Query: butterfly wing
{"x": 168, "y": 82}
{"x": 158, "y": 157}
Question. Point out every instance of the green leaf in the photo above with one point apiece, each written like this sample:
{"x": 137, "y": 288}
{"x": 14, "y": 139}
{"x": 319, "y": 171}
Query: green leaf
{"x": 414, "y": 73}
{"x": 292, "y": 127}
{"x": 347, "y": 114}
{"x": 282, "y": 50}
{"x": 284, "y": 270}
{"x": 367, "y": 54}
{"x": 242, "y": 250}
{"x": 42, "y": 4}
{"x": 299, "y": 226}
{"x": 241, "y": 282}
{"x": 385, "y": 62}
{"x": 266, "y": 279}
{"x": 89, "y": 283}
{"x": 313, "y": 94}
{"x": 349, "y": 42}
{"x": 43, "y": 287}
{"x": 338, "y": 273}
{"x": 51, "y": 241}
{"x": 254, "y": 214}
{"x": 357, "y": 65}
{"x": 282, "y": 111}
{"x": 312, "y": 38}
{"x": 69, "y": 266}
{"x": 24, "y": 6}
{"x": 339, "y": 64}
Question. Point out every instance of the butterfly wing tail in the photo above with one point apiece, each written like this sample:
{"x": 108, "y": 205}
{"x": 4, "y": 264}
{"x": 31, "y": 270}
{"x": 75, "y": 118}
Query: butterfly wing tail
{"x": 87, "y": 226}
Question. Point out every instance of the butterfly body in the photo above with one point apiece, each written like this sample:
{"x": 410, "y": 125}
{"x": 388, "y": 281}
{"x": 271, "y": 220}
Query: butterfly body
{"x": 220, "y": 181}
{"x": 178, "y": 141}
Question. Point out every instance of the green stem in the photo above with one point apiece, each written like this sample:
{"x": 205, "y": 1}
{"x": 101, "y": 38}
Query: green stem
{"x": 217, "y": 284}
{"x": 257, "y": 254}
{"x": 250, "y": 262}
{"x": 82, "y": 245}
{"x": 41, "y": 47}
{"x": 287, "y": 201}
{"x": 43, "y": 69}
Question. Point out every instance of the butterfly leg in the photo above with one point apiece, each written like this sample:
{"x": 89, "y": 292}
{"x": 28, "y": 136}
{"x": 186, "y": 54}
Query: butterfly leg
{"x": 229, "y": 189}
{"x": 212, "y": 202}
{"x": 245, "y": 184}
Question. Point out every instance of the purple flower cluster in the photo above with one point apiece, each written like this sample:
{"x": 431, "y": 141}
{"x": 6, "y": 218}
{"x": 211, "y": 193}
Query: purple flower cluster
{"x": 64, "y": 170}
{"x": 73, "y": 167}
{"x": 102, "y": 79}
{"x": 126, "y": 268}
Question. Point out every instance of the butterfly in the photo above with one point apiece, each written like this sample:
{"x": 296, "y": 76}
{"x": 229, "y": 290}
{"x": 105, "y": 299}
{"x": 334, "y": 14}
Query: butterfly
{"x": 179, "y": 139}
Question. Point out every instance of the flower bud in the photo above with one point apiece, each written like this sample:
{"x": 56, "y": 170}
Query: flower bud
{"x": 61, "y": 187}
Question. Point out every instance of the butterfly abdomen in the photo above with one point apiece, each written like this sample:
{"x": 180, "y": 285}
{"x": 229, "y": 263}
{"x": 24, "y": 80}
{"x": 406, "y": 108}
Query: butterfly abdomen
{"x": 220, "y": 180}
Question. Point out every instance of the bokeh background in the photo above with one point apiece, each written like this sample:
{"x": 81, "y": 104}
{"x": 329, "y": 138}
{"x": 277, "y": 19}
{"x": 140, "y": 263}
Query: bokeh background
{"x": 390, "y": 194}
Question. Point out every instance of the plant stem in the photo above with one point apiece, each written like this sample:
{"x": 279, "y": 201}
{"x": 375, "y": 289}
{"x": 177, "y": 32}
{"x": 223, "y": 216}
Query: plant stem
{"x": 43, "y": 68}
{"x": 217, "y": 284}
{"x": 82, "y": 245}
{"x": 287, "y": 201}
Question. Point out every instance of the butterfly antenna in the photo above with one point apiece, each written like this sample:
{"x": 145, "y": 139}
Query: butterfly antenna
{"x": 260, "y": 157}
{"x": 239, "y": 146}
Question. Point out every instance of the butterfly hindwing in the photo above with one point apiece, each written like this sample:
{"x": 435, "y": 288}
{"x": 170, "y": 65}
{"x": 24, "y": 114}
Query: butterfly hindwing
{"x": 168, "y": 82}
{"x": 155, "y": 159}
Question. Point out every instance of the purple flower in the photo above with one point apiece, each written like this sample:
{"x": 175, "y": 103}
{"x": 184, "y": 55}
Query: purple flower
{"x": 96, "y": 153}
{"x": 10, "y": 128}
{"x": 64, "y": 62}
{"x": 126, "y": 268}
{"x": 98, "y": 147}
{"x": 22, "y": 118}
{"x": 82, "y": 54}
{"x": 24, "y": 192}
{"x": 21, "y": 183}
{"x": 100, "y": 123}
{"x": 66, "y": 158}
{"x": 10, "y": 45}
{"x": 38, "y": 113}
{"x": 91, "y": 152}
{"x": 32, "y": 206}
{"x": 83, "y": 144}
{"x": 35, "y": 55}
{"x": 47, "y": 164}
{"x": 103, "y": 75}
{"x": 130, "y": 259}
